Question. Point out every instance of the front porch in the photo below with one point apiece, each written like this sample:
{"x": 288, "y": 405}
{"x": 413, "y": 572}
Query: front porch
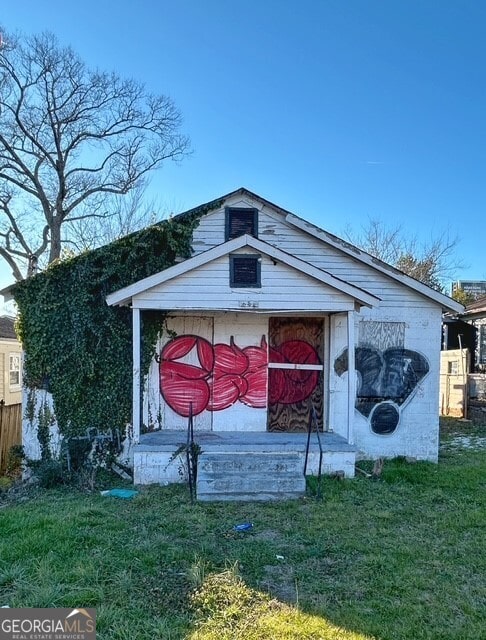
{"x": 239, "y": 465}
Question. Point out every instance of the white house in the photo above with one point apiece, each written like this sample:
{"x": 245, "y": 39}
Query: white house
{"x": 273, "y": 321}
{"x": 10, "y": 363}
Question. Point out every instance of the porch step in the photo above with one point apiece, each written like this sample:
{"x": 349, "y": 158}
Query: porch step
{"x": 260, "y": 475}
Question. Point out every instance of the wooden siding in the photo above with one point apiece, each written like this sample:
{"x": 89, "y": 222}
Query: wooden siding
{"x": 274, "y": 229}
{"x": 246, "y": 330}
{"x": 3, "y": 380}
{"x": 208, "y": 287}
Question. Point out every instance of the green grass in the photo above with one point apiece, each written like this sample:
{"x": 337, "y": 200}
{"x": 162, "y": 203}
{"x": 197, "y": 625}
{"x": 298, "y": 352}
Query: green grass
{"x": 402, "y": 557}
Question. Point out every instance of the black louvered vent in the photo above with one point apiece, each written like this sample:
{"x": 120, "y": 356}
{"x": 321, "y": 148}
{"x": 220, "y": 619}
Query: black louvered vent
{"x": 245, "y": 271}
{"x": 240, "y": 221}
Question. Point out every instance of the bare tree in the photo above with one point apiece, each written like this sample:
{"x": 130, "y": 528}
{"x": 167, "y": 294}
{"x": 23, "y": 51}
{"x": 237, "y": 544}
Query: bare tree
{"x": 72, "y": 140}
{"x": 128, "y": 213}
{"x": 432, "y": 261}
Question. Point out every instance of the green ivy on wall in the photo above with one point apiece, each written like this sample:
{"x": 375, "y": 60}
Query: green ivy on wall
{"x": 78, "y": 347}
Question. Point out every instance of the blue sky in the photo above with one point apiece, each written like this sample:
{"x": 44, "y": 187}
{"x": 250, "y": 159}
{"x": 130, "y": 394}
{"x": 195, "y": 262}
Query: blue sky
{"x": 338, "y": 110}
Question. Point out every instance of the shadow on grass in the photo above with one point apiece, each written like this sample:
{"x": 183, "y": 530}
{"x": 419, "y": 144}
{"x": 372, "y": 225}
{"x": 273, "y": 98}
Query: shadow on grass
{"x": 400, "y": 557}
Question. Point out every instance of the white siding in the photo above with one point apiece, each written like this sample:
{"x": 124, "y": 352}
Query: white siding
{"x": 284, "y": 289}
{"x": 156, "y": 413}
{"x": 274, "y": 229}
{"x": 247, "y": 330}
{"x": 208, "y": 287}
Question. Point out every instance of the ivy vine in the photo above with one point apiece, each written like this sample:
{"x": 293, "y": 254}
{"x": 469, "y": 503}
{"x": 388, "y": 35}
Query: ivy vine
{"x": 78, "y": 347}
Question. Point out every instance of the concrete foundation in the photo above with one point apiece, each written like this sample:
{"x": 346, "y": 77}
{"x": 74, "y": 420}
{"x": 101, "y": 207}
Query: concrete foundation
{"x": 241, "y": 466}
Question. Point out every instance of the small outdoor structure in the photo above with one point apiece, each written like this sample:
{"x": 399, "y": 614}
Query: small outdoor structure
{"x": 454, "y": 373}
{"x": 274, "y": 324}
{"x": 465, "y": 332}
{"x": 475, "y": 315}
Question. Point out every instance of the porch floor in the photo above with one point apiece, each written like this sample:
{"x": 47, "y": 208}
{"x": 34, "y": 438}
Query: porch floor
{"x": 228, "y": 441}
{"x": 241, "y": 465}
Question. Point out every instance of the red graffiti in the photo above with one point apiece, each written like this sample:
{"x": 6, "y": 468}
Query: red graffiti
{"x": 256, "y": 376}
{"x": 227, "y": 382}
{"x": 183, "y": 384}
{"x": 217, "y": 376}
{"x": 287, "y": 386}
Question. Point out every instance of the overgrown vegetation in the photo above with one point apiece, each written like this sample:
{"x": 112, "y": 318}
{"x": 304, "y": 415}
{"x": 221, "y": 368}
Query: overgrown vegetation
{"x": 227, "y": 609}
{"x": 77, "y": 346}
{"x": 401, "y": 557}
{"x": 79, "y": 462}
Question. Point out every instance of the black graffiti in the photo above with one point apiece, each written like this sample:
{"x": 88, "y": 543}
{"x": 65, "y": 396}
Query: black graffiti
{"x": 386, "y": 381}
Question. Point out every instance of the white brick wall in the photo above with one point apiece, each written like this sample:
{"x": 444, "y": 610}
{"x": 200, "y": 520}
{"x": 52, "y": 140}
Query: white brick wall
{"x": 418, "y": 430}
{"x": 34, "y": 402}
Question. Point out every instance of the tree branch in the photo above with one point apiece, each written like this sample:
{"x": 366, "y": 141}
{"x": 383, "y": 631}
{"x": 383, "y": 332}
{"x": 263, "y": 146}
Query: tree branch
{"x": 17, "y": 274}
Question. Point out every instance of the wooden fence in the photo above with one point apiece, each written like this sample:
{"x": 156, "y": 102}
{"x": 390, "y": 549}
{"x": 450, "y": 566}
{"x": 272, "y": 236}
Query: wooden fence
{"x": 10, "y": 430}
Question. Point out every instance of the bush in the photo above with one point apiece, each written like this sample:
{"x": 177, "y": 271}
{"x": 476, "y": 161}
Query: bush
{"x": 15, "y": 458}
{"x": 49, "y": 473}
{"x": 5, "y": 483}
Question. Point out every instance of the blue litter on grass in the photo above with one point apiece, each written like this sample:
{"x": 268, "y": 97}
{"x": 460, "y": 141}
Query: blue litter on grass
{"x": 245, "y": 526}
{"x": 120, "y": 493}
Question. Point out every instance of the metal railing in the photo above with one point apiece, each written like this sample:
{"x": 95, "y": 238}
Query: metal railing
{"x": 313, "y": 422}
{"x": 191, "y": 456}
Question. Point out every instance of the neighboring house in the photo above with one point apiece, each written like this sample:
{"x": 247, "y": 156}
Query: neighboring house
{"x": 10, "y": 362}
{"x": 475, "y": 315}
{"x": 273, "y": 320}
{"x": 463, "y": 374}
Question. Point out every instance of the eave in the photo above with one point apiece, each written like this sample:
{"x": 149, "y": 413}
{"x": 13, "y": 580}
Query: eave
{"x": 125, "y": 295}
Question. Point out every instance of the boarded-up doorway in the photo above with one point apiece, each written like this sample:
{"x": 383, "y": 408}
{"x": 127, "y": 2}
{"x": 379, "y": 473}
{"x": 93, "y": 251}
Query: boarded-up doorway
{"x": 295, "y": 373}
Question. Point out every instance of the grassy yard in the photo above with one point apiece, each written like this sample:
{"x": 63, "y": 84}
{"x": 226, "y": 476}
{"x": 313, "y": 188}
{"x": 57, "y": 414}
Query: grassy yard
{"x": 402, "y": 557}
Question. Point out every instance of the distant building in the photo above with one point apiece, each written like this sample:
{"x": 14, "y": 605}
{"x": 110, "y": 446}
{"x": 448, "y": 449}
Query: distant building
{"x": 474, "y": 287}
{"x": 10, "y": 362}
{"x": 475, "y": 314}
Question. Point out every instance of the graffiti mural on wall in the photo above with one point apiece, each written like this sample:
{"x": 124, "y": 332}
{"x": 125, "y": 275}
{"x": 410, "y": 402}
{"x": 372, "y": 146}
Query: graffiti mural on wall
{"x": 220, "y": 375}
{"x": 387, "y": 379}
{"x": 294, "y": 385}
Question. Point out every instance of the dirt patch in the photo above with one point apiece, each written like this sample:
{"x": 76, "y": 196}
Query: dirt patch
{"x": 279, "y": 582}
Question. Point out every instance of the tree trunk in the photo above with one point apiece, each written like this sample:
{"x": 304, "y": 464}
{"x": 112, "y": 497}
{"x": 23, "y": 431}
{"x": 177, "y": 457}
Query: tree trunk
{"x": 55, "y": 240}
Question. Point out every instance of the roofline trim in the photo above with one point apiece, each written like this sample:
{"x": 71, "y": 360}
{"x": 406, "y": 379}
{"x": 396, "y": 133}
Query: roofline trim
{"x": 124, "y": 296}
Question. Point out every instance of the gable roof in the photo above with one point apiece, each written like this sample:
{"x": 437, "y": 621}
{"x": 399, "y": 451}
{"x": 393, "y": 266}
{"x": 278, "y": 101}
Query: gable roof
{"x": 7, "y": 328}
{"x": 446, "y": 302}
{"x": 476, "y": 308}
{"x": 123, "y": 296}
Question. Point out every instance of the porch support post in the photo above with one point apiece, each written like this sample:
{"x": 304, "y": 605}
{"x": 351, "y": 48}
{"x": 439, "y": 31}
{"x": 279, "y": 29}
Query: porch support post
{"x": 351, "y": 377}
{"x": 136, "y": 405}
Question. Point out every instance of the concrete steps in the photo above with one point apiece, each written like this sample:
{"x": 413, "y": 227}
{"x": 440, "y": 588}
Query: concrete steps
{"x": 243, "y": 465}
{"x": 258, "y": 475}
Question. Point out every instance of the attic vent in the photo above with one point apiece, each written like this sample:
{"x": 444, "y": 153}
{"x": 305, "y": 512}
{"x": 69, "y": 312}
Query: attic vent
{"x": 240, "y": 220}
{"x": 245, "y": 270}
